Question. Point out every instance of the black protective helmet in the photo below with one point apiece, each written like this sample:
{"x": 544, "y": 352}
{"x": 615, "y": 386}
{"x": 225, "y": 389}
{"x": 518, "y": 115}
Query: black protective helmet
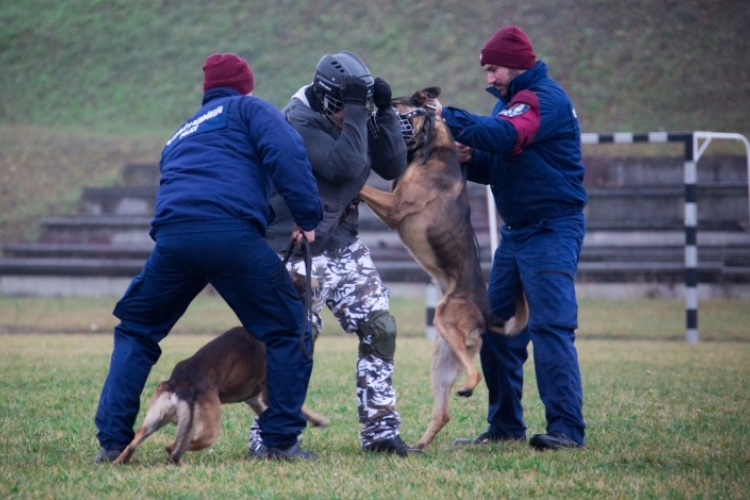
{"x": 328, "y": 74}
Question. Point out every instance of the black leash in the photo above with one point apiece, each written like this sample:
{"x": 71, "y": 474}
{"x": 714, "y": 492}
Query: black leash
{"x": 307, "y": 255}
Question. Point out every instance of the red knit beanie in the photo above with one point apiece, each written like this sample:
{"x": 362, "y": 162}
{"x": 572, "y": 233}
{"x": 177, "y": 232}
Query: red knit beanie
{"x": 510, "y": 48}
{"x": 228, "y": 70}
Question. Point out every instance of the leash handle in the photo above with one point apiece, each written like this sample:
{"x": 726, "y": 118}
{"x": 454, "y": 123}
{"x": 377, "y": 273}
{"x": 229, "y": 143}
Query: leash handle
{"x": 307, "y": 255}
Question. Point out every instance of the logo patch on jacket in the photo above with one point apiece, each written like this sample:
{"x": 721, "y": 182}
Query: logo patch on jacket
{"x": 515, "y": 110}
{"x": 212, "y": 119}
{"x": 209, "y": 121}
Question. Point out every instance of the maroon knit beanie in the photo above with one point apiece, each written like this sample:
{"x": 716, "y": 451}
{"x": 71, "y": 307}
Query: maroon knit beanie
{"x": 510, "y": 48}
{"x": 228, "y": 70}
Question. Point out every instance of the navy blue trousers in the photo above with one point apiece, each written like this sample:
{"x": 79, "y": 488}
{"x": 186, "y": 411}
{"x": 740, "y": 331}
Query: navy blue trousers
{"x": 253, "y": 281}
{"x": 544, "y": 258}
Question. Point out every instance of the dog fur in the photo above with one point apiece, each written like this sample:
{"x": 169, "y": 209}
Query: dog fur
{"x": 429, "y": 207}
{"x": 229, "y": 369}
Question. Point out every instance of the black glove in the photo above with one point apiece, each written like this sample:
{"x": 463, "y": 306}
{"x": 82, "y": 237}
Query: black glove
{"x": 382, "y": 94}
{"x": 353, "y": 90}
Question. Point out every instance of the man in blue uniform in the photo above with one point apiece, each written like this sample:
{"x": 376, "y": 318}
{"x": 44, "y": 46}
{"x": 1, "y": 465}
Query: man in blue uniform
{"x": 528, "y": 150}
{"x": 212, "y": 211}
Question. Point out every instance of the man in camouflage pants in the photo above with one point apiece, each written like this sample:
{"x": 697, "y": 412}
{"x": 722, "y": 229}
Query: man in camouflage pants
{"x": 344, "y": 139}
{"x": 347, "y": 282}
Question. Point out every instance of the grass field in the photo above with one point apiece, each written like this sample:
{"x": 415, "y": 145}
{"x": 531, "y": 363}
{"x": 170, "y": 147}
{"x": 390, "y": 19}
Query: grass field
{"x": 665, "y": 419}
{"x": 634, "y": 319}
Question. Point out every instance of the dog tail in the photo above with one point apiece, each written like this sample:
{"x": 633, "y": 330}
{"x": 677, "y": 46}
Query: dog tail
{"x": 518, "y": 322}
{"x": 161, "y": 411}
{"x": 184, "y": 434}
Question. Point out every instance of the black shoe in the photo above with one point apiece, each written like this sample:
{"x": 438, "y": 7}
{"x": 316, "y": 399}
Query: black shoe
{"x": 394, "y": 445}
{"x": 106, "y": 455}
{"x": 552, "y": 441}
{"x": 484, "y": 438}
{"x": 293, "y": 452}
{"x": 258, "y": 450}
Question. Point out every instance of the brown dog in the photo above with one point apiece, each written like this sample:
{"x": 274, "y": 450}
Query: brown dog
{"x": 229, "y": 369}
{"x": 429, "y": 207}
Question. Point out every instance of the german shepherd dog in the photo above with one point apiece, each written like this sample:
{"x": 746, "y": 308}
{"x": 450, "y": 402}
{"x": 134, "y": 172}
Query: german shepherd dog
{"x": 429, "y": 207}
{"x": 229, "y": 369}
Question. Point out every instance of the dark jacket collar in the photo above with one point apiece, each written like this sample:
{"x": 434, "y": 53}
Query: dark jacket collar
{"x": 217, "y": 92}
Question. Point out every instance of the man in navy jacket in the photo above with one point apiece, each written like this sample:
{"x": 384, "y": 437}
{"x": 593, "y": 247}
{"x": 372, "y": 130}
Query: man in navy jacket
{"x": 212, "y": 211}
{"x": 528, "y": 150}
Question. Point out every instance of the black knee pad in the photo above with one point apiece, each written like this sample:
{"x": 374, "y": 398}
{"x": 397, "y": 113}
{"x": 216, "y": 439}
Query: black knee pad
{"x": 382, "y": 327}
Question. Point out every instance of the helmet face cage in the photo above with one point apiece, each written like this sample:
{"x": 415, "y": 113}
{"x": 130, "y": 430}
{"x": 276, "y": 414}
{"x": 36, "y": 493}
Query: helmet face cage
{"x": 372, "y": 125}
{"x": 331, "y": 105}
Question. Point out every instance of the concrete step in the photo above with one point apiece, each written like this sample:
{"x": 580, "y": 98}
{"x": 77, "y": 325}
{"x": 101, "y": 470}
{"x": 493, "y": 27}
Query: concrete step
{"x": 719, "y": 205}
{"x": 91, "y": 229}
{"x": 76, "y": 251}
{"x": 98, "y": 232}
{"x": 118, "y": 200}
{"x": 391, "y": 271}
{"x": 664, "y": 225}
{"x": 660, "y": 272}
{"x": 395, "y": 252}
{"x": 728, "y": 256}
{"x": 602, "y": 171}
{"x": 670, "y": 238}
{"x": 74, "y": 267}
{"x": 141, "y": 174}
{"x": 134, "y": 228}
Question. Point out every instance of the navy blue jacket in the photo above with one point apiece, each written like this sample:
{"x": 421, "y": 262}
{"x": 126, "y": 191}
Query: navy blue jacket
{"x": 219, "y": 169}
{"x": 528, "y": 150}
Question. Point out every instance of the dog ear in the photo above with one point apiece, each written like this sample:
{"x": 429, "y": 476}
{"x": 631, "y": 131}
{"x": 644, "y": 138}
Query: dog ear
{"x": 425, "y": 94}
{"x": 432, "y": 92}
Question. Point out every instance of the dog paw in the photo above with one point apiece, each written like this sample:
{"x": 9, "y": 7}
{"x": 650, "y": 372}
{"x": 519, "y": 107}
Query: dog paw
{"x": 465, "y": 393}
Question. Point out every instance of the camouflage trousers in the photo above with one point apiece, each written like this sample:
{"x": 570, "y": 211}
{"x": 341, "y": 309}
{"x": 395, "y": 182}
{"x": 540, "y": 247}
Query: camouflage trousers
{"x": 346, "y": 281}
